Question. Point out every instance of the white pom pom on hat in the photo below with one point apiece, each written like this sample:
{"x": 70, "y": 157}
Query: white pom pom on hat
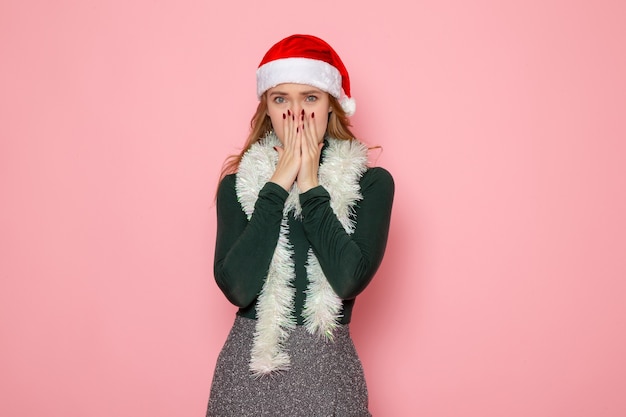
{"x": 306, "y": 59}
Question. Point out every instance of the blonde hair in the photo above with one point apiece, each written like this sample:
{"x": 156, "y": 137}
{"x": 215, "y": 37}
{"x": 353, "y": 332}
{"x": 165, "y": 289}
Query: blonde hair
{"x": 260, "y": 124}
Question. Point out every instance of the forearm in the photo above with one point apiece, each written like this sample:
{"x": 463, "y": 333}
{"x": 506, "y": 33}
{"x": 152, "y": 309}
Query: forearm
{"x": 244, "y": 248}
{"x": 345, "y": 265}
{"x": 350, "y": 261}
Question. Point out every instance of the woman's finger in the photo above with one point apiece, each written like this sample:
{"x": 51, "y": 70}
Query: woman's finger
{"x": 287, "y": 124}
{"x": 313, "y": 130}
{"x": 311, "y": 136}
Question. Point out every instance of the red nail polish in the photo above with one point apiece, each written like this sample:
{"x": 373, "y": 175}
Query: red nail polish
{"x": 293, "y": 117}
{"x": 284, "y": 116}
{"x": 302, "y": 117}
{"x": 312, "y": 115}
{"x": 303, "y": 112}
{"x": 297, "y": 129}
{"x": 288, "y": 112}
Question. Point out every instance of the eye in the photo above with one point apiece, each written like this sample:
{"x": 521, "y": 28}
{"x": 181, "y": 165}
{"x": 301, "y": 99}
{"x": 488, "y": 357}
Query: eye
{"x": 311, "y": 98}
{"x": 279, "y": 100}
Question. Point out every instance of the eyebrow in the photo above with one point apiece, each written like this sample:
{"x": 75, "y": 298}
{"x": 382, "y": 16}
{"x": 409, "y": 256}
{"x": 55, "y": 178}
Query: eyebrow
{"x": 306, "y": 93}
{"x": 303, "y": 93}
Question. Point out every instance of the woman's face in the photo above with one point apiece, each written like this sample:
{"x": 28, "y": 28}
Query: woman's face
{"x": 295, "y": 98}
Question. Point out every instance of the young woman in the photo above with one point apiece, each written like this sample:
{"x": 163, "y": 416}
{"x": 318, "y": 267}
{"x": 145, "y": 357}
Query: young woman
{"x": 302, "y": 226}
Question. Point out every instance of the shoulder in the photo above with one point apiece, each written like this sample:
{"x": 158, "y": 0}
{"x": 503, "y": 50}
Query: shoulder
{"x": 226, "y": 186}
{"x": 228, "y": 180}
{"x": 378, "y": 176}
{"x": 377, "y": 183}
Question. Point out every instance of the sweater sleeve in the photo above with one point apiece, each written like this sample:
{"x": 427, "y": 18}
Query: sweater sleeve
{"x": 350, "y": 261}
{"x": 243, "y": 248}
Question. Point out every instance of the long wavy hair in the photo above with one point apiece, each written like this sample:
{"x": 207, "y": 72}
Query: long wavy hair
{"x": 261, "y": 124}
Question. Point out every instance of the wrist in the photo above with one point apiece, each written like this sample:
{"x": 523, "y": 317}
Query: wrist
{"x": 281, "y": 182}
{"x": 304, "y": 187}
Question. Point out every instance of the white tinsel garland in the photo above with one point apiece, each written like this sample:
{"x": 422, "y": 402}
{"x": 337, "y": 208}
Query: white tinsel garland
{"x": 344, "y": 162}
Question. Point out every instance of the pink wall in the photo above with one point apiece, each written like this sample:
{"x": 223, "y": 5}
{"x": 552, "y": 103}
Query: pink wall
{"x": 503, "y": 289}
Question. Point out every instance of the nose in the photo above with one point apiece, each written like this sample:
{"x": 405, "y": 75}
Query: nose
{"x": 297, "y": 109}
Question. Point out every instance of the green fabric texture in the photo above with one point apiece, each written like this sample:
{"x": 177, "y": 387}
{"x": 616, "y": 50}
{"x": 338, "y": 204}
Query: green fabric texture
{"x": 244, "y": 248}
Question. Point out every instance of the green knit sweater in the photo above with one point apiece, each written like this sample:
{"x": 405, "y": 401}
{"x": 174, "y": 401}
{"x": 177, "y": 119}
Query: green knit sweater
{"x": 244, "y": 248}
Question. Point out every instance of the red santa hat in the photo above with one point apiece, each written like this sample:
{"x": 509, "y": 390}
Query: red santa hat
{"x": 306, "y": 59}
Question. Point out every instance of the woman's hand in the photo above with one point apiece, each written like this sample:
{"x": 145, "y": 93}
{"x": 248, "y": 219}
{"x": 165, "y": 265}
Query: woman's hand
{"x": 311, "y": 149}
{"x": 289, "y": 156}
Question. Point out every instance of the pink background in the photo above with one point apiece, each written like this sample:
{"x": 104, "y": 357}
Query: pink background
{"x": 503, "y": 289}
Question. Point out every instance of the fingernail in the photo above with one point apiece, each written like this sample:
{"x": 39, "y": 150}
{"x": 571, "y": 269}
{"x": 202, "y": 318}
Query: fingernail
{"x": 297, "y": 129}
{"x": 302, "y": 117}
{"x": 284, "y": 116}
{"x": 303, "y": 112}
{"x": 288, "y": 112}
{"x": 275, "y": 148}
{"x": 293, "y": 117}
{"x": 312, "y": 115}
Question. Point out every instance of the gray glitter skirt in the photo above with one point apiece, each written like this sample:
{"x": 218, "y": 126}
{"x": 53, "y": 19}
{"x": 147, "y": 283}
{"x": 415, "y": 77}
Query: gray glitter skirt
{"x": 326, "y": 378}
